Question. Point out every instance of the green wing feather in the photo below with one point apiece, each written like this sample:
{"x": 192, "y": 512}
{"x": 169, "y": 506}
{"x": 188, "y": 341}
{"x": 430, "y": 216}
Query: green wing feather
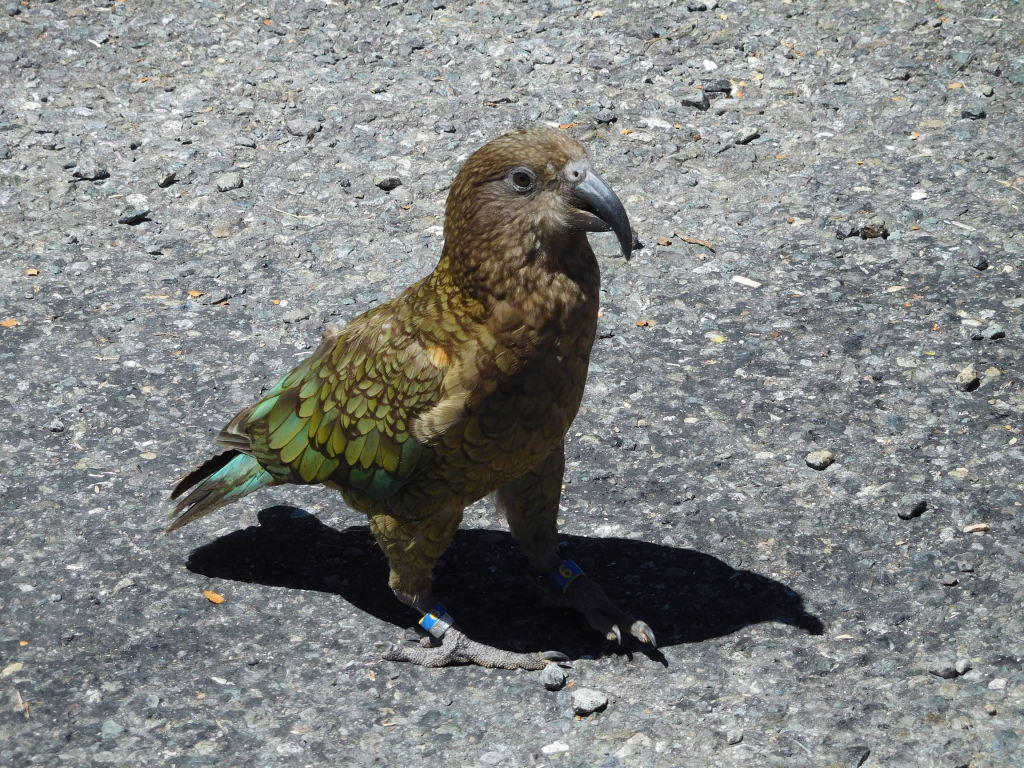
{"x": 342, "y": 415}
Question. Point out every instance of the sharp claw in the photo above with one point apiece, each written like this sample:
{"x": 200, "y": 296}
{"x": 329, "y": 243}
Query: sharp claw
{"x": 554, "y": 657}
{"x": 615, "y": 634}
{"x": 644, "y": 634}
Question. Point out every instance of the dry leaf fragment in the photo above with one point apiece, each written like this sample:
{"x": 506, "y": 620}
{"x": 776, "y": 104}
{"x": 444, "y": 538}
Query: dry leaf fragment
{"x": 646, "y": 323}
{"x": 663, "y": 241}
{"x": 567, "y": 126}
{"x": 976, "y": 528}
{"x": 625, "y": 131}
{"x": 953, "y": 86}
{"x": 10, "y": 322}
{"x": 31, "y": 271}
{"x": 195, "y": 294}
{"x": 213, "y": 597}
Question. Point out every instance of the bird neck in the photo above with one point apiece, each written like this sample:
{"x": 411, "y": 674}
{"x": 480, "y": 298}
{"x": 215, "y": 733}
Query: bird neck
{"x": 545, "y": 280}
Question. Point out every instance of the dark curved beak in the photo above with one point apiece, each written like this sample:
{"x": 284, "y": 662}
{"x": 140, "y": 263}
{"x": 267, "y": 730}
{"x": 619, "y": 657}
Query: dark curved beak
{"x": 594, "y": 196}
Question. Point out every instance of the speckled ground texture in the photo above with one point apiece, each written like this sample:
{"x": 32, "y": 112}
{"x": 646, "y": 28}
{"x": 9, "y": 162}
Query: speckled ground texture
{"x": 190, "y": 191}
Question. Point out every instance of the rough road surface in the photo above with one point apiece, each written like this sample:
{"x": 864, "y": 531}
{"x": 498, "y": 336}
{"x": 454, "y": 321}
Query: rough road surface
{"x": 800, "y": 453}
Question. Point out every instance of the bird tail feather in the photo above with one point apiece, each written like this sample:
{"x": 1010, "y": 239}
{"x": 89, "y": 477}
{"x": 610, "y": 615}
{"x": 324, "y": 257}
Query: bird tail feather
{"x": 223, "y": 479}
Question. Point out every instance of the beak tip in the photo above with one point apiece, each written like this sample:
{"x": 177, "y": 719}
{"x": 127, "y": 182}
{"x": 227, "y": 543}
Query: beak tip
{"x": 603, "y": 202}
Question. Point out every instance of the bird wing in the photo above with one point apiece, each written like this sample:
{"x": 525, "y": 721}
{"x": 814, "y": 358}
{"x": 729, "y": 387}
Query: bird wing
{"x": 344, "y": 415}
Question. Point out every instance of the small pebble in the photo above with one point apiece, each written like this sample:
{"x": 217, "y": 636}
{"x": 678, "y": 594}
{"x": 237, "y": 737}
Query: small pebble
{"x": 747, "y": 135}
{"x": 950, "y": 581}
{"x": 911, "y": 508}
{"x": 587, "y": 700}
{"x": 963, "y": 666}
{"x": 387, "y": 183}
{"x": 856, "y": 756}
{"x": 303, "y": 127}
{"x": 132, "y": 215}
{"x": 987, "y": 91}
{"x": 967, "y": 380}
{"x": 221, "y": 227}
{"x": 874, "y": 227}
{"x": 89, "y": 170}
{"x": 820, "y": 460}
{"x": 719, "y": 87}
{"x": 990, "y": 709}
{"x": 111, "y": 729}
{"x": 553, "y": 677}
{"x": 696, "y": 99}
{"x": 245, "y": 141}
{"x": 734, "y": 736}
{"x": 994, "y": 331}
{"x": 167, "y": 179}
{"x": 973, "y": 112}
{"x": 228, "y": 181}
{"x": 946, "y": 669}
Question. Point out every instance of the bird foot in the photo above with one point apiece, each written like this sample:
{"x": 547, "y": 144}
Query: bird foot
{"x": 456, "y": 648}
{"x": 586, "y": 596}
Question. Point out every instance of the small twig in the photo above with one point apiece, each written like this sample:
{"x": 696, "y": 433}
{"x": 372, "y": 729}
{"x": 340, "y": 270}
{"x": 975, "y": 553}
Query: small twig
{"x": 695, "y": 241}
{"x": 288, "y": 213}
{"x": 1010, "y": 185}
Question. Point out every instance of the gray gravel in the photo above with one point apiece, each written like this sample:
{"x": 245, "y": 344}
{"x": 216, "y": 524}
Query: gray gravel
{"x": 829, "y": 197}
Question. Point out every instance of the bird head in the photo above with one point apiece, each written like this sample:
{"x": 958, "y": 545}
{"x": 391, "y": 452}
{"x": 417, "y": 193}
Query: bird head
{"x": 530, "y": 191}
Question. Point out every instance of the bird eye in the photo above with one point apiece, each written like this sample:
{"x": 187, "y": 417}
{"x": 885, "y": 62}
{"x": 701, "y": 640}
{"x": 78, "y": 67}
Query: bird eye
{"x": 522, "y": 179}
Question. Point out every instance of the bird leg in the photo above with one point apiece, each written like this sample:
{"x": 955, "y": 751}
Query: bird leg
{"x": 530, "y": 503}
{"x": 412, "y": 554}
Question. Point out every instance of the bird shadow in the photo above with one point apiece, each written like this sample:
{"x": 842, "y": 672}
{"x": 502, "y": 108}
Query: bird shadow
{"x": 684, "y": 595}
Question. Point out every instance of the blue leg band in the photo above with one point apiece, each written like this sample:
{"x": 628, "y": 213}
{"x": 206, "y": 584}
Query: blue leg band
{"x": 566, "y": 574}
{"x": 437, "y": 620}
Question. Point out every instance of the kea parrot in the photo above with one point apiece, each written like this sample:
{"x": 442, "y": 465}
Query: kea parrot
{"x": 462, "y": 386}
